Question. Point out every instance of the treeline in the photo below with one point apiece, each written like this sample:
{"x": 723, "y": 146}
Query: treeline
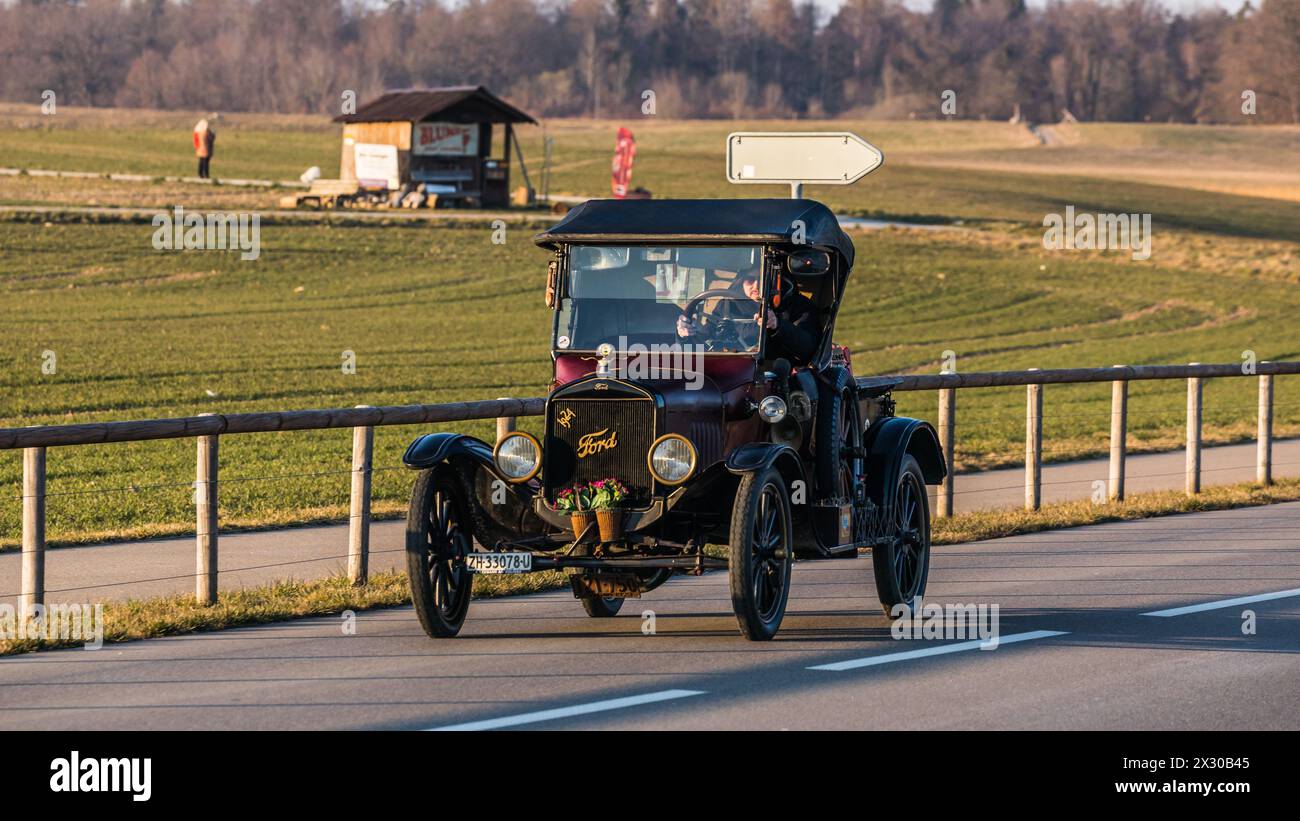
{"x": 1129, "y": 60}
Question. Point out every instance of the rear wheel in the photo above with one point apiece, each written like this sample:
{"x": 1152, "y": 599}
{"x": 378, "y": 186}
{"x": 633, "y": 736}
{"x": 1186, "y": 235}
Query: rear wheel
{"x": 598, "y": 607}
{"x": 439, "y": 535}
{"x": 903, "y": 564}
{"x": 760, "y": 554}
{"x": 602, "y": 607}
{"x": 838, "y": 435}
{"x": 850, "y": 439}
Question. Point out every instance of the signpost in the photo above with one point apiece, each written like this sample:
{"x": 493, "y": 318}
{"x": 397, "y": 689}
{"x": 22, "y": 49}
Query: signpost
{"x": 798, "y": 157}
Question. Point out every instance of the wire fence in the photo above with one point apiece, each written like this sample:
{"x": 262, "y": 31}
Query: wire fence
{"x": 209, "y": 428}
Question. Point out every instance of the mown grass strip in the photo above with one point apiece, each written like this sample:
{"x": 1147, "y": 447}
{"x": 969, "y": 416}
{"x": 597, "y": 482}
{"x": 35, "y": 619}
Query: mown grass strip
{"x": 279, "y": 601}
{"x": 994, "y": 524}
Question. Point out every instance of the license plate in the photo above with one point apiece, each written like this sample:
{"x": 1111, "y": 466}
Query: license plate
{"x": 519, "y": 562}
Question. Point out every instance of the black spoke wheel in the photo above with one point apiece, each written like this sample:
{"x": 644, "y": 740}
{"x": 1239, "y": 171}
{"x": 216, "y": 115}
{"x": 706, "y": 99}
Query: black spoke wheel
{"x": 439, "y": 535}
{"x": 850, "y": 439}
{"x": 760, "y": 554}
{"x": 903, "y": 564}
{"x": 836, "y": 436}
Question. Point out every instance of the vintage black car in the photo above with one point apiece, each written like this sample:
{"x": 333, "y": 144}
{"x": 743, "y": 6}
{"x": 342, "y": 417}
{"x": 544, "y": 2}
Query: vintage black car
{"x": 677, "y": 371}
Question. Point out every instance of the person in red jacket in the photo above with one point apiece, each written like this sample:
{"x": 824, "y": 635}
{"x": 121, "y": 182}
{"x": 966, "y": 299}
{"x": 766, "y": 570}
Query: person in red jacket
{"x": 205, "y": 140}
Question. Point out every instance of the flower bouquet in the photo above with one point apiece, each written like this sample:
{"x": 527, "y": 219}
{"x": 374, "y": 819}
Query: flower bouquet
{"x": 607, "y": 497}
{"x": 576, "y": 501}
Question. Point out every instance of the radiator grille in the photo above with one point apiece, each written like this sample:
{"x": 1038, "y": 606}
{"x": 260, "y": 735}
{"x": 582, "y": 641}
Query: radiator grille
{"x": 614, "y": 435}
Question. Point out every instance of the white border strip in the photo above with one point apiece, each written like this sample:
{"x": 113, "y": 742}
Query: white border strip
{"x": 908, "y": 655}
{"x": 1217, "y": 605}
{"x": 576, "y": 710}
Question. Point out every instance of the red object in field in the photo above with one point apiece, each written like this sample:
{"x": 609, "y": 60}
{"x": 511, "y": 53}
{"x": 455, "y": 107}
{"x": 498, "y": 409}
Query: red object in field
{"x": 624, "y": 154}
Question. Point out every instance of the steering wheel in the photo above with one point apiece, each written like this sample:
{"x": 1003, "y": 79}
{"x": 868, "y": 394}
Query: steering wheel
{"x": 727, "y": 329}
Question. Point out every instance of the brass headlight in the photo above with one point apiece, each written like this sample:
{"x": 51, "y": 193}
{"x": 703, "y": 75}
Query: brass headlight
{"x": 518, "y": 456}
{"x": 672, "y": 459}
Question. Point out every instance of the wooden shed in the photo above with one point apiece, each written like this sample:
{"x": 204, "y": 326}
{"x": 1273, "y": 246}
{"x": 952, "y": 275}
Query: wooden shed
{"x": 443, "y": 138}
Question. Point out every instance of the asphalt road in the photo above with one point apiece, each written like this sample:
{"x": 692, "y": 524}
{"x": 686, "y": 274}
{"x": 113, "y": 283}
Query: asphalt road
{"x": 160, "y": 567}
{"x": 1076, "y": 651}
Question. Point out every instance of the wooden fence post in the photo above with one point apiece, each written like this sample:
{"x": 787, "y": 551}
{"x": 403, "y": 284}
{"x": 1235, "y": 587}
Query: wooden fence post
{"x": 947, "y": 434}
{"x": 33, "y": 585}
{"x": 363, "y": 449}
{"x": 1264, "y": 436}
{"x": 505, "y": 424}
{"x": 1118, "y": 437}
{"x": 1194, "y": 396}
{"x": 1033, "y": 446}
{"x": 205, "y": 503}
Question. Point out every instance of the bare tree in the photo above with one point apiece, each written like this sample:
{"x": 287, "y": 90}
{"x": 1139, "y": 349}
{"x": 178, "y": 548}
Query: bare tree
{"x": 1126, "y": 60}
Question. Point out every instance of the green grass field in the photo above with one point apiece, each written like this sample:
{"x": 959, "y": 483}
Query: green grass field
{"x": 938, "y": 171}
{"x": 441, "y": 314}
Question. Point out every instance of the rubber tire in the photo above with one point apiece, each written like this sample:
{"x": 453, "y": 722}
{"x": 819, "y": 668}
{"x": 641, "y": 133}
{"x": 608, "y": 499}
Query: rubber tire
{"x": 436, "y": 622}
{"x": 602, "y": 607}
{"x": 882, "y": 558}
{"x": 653, "y": 579}
{"x": 831, "y": 416}
{"x": 740, "y": 567}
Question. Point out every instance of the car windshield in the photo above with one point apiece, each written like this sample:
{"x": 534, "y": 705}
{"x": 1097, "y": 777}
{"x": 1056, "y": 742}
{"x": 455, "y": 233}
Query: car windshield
{"x": 664, "y": 295}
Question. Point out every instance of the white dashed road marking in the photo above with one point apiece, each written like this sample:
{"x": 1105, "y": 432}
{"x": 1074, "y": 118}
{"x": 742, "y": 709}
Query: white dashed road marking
{"x": 575, "y": 710}
{"x": 908, "y": 655}
{"x": 1216, "y": 605}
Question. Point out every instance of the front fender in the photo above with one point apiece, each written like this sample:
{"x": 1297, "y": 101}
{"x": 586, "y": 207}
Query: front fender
{"x": 502, "y": 510}
{"x": 888, "y": 441}
{"x": 757, "y": 456}
{"x": 434, "y": 448}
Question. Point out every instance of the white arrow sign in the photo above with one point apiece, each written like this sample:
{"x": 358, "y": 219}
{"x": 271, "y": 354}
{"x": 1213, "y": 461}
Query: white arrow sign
{"x": 797, "y": 157}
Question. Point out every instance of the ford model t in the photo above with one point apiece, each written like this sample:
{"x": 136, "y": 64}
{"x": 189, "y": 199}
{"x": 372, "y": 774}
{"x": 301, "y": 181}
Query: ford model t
{"x": 699, "y": 399}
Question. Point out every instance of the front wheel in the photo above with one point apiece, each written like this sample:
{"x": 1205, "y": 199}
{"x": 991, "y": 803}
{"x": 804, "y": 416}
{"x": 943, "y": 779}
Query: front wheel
{"x": 439, "y": 535}
{"x": 760, "y": 554}
{"x": 903, "y": 564}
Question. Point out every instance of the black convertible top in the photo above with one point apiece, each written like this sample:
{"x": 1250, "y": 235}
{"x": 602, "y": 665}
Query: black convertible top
{"x": 738, "y": 220}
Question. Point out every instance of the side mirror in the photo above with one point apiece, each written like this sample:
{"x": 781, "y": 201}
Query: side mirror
{"x": 552, "y": 279}
{"x": 808, "y": 263}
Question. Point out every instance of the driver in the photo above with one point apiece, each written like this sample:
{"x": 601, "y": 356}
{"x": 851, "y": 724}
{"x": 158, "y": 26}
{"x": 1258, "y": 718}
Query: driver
{"x": 791, "y": 327}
